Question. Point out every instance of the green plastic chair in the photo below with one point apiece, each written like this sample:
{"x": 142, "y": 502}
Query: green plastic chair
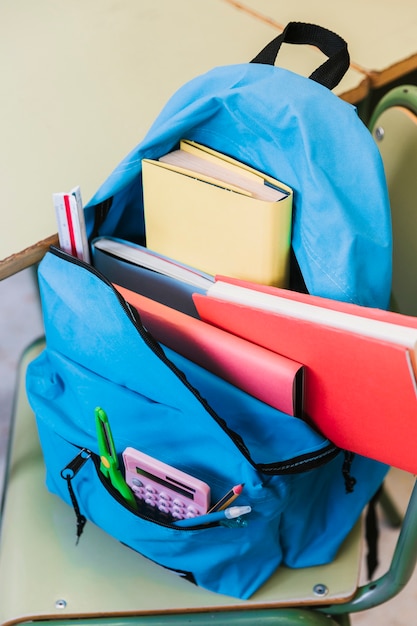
{"x": 45, "y": 577}
{"x": 394, "y": 127}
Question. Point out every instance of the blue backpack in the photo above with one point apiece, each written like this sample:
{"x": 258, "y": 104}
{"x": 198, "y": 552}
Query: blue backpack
{"x": 305, "y": 494}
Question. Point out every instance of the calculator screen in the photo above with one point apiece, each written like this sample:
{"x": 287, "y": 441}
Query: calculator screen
{"x": 171, "y": 483}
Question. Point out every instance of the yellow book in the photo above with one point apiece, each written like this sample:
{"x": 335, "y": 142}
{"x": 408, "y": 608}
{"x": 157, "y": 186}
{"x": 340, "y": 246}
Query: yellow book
{"x": 213, "y": 213}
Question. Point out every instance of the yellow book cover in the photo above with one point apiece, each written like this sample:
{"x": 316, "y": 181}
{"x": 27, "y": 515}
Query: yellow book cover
{"x": 218, "y": 215}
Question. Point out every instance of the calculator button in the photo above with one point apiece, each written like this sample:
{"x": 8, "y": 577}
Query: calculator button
{"x": 179, "y": 503}
{"x": 150, "y": 489}
{"x": 136, "y": 482}
{"x": 192, "y": 511}
{"x": 165, "y": 496}
{"x": 150, "y": 499}
{"x": 163, "y": 507}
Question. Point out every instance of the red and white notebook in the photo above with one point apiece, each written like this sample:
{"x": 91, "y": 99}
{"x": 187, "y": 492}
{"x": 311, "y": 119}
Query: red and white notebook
{"x": 276, "y": 380}
{"x": 360, "y": 382}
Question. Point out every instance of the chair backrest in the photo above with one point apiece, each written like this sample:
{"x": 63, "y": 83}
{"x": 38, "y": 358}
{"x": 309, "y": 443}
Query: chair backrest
{"x": 394, "y": 127}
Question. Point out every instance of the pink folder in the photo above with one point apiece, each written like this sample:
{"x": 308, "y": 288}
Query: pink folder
{"x": 270, "y": 377}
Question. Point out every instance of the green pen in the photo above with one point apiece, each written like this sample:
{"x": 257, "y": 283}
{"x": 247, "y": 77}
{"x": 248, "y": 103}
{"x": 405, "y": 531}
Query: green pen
{"x": 109, "y": 464}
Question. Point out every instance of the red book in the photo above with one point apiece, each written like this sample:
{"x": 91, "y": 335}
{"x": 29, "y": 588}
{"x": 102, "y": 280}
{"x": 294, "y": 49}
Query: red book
{"x": 360, "y": 390}
{"x": 270, "y": 377}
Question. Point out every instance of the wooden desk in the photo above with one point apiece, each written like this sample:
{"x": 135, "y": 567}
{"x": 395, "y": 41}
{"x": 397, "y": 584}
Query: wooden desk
{"x": 381, "y": 34}
{"x": 81, "y": 82}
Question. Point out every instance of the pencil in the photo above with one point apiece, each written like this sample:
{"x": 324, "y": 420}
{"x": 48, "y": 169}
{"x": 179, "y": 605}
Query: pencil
{"x": 227, "y": 499}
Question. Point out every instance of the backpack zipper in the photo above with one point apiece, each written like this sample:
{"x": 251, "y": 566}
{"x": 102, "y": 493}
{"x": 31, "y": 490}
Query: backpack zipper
{"x": 77, "y": 463}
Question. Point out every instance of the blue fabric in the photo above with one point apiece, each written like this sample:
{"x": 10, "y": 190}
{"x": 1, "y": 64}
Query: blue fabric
{"x": 97, "y": 355}
{"x": 299, "y": 132}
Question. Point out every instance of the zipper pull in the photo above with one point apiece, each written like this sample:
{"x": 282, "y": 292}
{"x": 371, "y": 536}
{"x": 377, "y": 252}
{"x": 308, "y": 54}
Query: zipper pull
{"x": 68, "y": 473}
{"x": 74, "y": 466}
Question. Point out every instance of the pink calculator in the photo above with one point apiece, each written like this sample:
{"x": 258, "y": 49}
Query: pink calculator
{"x": 164, "y": 487}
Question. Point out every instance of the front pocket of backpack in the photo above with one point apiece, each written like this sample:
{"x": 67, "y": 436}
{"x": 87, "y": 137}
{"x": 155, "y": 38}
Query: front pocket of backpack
{"x": 99, "y": 501}
{"x": 232, "y": 560}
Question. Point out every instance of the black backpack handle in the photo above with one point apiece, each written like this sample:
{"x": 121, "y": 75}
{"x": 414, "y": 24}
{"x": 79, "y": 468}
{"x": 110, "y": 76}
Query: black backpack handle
{"x": 332, "y": 45}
